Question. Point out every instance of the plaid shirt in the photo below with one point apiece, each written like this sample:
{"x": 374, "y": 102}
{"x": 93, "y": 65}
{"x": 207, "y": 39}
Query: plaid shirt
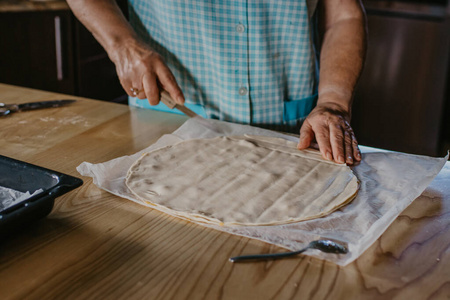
{"x": 248, "y": 62}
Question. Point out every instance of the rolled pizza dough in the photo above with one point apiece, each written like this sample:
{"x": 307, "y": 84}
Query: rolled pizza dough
{"x": 243, "y": 180}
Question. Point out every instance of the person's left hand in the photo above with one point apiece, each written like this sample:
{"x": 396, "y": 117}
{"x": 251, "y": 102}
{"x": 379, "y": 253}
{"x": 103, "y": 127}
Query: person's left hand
{"x": 329, "y": 124}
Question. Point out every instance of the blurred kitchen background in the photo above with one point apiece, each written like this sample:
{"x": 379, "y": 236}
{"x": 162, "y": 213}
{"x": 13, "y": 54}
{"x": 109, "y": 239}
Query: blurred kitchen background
{"x": 402, "y": 101}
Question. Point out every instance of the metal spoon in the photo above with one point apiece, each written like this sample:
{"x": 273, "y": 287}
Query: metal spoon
{"x": 326, "y": 246}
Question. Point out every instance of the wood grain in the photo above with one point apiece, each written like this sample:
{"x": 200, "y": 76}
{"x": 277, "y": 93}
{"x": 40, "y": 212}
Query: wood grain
{"x": 95, "y": 245}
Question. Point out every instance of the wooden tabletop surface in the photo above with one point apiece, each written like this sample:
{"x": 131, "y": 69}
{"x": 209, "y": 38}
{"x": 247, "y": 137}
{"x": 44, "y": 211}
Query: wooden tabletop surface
{"x": 95, "y": 245}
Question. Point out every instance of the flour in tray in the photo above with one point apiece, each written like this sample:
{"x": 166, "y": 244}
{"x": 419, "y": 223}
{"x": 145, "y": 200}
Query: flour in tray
{"x": 10, "y": 197}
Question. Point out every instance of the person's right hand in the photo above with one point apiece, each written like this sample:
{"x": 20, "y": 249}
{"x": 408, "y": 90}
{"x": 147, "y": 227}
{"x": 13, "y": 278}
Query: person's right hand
{"x": 143, "y": 70}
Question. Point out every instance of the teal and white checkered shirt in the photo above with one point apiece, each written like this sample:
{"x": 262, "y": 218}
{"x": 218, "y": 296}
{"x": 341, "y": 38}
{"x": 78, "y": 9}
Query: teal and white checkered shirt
{"x": 248, "y": 62}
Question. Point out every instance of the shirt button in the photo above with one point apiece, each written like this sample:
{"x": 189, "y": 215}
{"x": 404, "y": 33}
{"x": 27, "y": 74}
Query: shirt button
{"x": 243, "y": 91}
{"x": 240, "y": 28}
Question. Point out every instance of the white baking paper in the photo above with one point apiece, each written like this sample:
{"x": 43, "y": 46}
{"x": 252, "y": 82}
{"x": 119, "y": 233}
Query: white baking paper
{"x": 390, "y": 181}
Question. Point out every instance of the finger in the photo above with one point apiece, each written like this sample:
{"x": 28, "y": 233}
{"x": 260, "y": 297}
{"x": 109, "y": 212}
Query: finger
{"x": 337, "y": 142}
{"x": 356, "y": 151}
{"x": 169, "y": 83}
{"x": 127, "y": 86}
{"x": 348, "y": 148}
{"x": 133, "y": 90}
{"x": 151, "y": 88}
{"x": 306, "y": 136}
{"x": 323, "y": 139}
{"x": 125, "y": 81}
{"x": 139, "y": 93}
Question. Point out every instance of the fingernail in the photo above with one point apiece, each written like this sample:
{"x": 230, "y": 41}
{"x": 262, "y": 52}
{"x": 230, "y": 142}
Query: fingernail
{"x": 329, "y": 156}
{"x": 340, "y": 159}
{"x": 349, "y": 159}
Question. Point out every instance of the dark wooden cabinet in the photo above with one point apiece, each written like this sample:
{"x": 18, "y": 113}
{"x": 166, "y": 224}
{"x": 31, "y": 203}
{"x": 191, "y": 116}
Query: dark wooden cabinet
{"x": 51, "y": 50}
{"x": 36, "y": 50}
{"x": 401, "y": 97}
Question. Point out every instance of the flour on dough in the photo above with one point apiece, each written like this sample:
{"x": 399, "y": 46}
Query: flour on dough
{"x": 242, "y": 180}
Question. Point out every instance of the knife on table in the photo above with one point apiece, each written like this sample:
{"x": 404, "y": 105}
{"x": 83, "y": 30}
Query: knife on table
{"x": 7, "y": 109}
{"x": 167, "y": 100}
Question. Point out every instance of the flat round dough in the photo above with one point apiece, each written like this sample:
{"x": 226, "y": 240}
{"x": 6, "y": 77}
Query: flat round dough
{"x": 245, "y": 180}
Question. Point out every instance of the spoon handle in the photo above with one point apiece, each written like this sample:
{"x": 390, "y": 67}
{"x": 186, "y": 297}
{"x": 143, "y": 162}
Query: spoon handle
{"x": 266, "y": 256}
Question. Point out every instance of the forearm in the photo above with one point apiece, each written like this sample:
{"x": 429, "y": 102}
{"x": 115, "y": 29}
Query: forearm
{"x": 104, "y": 19}
{"x": 142, "y": 72}
{"x": 342, "y": 55}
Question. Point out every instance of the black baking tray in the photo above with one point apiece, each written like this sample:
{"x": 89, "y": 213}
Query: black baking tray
{"x": 23, "y": 177}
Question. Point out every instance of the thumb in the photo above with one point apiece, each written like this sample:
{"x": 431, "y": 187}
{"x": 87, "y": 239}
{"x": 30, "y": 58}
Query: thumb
{"x": 306, "y": 136}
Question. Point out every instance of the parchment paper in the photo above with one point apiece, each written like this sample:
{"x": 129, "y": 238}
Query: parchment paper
{"x": 390, "y": 181}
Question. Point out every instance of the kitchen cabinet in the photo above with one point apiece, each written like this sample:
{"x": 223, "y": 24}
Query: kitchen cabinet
{"x": 401, "y": 97}
{"x": 36, "y": 50}
{"x": 50, "y": 49}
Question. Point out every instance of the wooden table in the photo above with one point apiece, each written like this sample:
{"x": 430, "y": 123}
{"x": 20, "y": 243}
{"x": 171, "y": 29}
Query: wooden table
{"x": 98, "y": 246}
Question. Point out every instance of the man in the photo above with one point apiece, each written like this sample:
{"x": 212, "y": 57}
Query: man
{"x": 249, "y": 62}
